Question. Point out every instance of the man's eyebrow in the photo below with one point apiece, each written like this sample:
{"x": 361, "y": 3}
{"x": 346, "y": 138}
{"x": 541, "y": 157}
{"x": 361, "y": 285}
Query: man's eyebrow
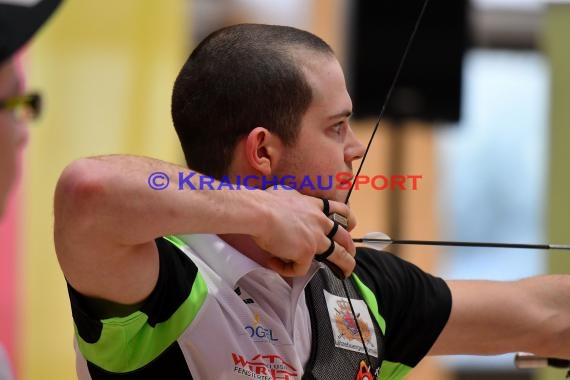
{"x": 342, "y": 114}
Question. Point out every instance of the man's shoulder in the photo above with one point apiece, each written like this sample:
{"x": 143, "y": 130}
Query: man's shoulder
{"x": 381, "y": 269}
{"x": 369, "y": 256}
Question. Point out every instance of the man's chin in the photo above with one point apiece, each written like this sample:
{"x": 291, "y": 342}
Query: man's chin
{"x": 337, "y": 195}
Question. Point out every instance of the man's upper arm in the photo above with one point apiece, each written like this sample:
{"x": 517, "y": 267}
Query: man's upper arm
{"x": 94, "y": 263}
{"x": 118, "y": 338}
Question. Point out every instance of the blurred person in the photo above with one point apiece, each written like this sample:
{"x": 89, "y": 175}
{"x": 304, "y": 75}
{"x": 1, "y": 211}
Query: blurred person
{"x": 19, "y": 20}
{"x": 167, "y": 275}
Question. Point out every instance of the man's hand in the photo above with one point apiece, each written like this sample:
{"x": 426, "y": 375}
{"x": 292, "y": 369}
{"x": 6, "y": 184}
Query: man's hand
{"x": 296, "y": 231}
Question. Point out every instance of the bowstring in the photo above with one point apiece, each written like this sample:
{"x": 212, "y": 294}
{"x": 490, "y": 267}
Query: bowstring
{"x": 389, "y": 94}
{"x": 383, "y": 109}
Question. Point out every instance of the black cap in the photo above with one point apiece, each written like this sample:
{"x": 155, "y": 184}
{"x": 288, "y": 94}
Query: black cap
{"x": 19, "y": 20}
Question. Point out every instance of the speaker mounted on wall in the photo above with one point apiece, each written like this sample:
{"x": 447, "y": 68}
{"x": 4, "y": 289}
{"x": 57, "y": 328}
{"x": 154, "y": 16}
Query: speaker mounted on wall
{"x": 429, "y": 86}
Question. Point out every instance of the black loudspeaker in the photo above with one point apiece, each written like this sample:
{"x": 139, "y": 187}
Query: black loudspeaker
{"x": 429, "y": 86}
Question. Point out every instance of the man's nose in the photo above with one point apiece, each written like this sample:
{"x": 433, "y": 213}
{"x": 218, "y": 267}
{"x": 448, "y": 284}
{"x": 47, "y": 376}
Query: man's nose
{"x": 355, "y": 149}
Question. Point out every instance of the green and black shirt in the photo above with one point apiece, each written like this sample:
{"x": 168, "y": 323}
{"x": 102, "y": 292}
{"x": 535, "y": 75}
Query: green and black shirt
{"x": 216, "y": 314}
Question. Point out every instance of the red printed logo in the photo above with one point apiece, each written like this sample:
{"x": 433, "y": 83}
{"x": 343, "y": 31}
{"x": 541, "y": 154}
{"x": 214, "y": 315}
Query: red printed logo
{"x": 264, "y": 367}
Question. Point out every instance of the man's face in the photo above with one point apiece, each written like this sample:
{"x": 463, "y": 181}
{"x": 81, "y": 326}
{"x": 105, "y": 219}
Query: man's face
{"x": 326, "y": 145}
{"x": 13, "y": 134}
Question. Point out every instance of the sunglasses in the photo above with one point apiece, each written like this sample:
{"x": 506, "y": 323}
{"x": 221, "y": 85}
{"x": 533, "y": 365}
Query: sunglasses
{"x": 25, "y": 107}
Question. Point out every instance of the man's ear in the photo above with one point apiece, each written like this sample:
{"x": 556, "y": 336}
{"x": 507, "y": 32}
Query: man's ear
{"x": 263, "y": 150}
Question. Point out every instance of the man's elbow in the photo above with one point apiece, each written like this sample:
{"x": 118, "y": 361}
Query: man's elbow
{"x": 78, "y": 192}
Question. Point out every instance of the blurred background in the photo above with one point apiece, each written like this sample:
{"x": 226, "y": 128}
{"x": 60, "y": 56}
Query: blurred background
{"x": 481, "y": 112}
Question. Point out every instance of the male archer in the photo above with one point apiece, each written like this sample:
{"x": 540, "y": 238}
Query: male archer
{"x": 166, "y": 281}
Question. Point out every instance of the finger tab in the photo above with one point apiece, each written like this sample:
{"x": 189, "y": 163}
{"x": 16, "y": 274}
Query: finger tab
{"x": 340, "y": 219}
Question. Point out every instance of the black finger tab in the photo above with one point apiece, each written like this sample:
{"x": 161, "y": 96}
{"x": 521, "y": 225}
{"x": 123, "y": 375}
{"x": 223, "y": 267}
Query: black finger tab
{"x": 326, "y": 206}
{"x": 333, "y": 231}
{"x": 323, "y": 256}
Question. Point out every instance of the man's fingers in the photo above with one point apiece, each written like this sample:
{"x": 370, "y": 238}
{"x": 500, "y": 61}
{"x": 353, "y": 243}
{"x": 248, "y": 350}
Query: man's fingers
{"x": 322, "y": 256}
{"x": 326, "y": 206}
{"x": 340, "y": 251}
{"x": 343, "y": 211}
{"x": 342, "y": 261}
{"x": 322, "y": 239}
{"x": 333, "y": 230}
{"x": 338, "y": 208}
{"x": 351, "y": 221}
{"x": 343, "y": 238}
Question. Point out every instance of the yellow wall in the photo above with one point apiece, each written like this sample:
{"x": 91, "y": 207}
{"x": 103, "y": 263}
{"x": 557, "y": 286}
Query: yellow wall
{"x": 555, "y": 40}
{"x": 106, "y": 69}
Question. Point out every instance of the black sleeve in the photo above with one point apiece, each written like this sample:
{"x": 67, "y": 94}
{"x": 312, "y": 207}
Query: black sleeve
{"x": 414, "y": 304}
{"x": 176, "y": 277}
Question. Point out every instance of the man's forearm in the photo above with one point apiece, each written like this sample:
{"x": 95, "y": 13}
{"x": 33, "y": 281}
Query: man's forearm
{"x": 115, "y": 192}
{"x": 107, "y": 217}
{"x": 496, "y": 317}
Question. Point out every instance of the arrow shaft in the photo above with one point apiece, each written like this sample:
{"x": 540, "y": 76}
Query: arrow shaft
{"x": 464, "y": 244}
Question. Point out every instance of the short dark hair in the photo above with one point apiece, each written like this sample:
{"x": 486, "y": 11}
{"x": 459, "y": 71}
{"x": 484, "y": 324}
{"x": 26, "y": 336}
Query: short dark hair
{"x": 238, "y": 78}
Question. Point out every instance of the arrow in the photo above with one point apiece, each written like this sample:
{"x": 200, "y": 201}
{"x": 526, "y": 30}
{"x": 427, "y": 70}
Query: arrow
{"x": 380, "y": 240}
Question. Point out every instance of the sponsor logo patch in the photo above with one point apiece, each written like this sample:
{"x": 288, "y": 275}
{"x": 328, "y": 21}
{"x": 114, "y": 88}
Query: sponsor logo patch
{"x": 260, "y": 333}
{"x": 264, "y": 367}
{"x": 344, "y": 326}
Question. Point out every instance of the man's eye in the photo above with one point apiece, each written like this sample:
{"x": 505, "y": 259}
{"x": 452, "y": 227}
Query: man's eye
{"x": 338, "y": 127}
